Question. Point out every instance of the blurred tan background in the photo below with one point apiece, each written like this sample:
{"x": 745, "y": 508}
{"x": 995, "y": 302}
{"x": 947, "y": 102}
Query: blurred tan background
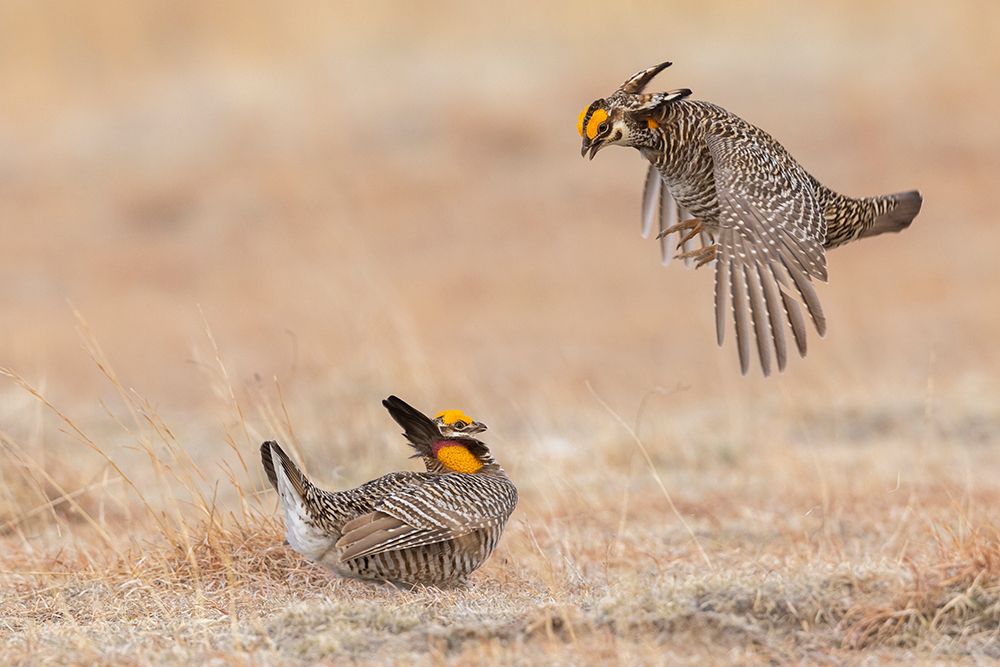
{"x": 369, "y": 198}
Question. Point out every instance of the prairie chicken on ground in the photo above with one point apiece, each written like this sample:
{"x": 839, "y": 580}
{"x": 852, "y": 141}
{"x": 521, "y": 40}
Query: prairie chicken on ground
{"x": 763, "y": 220}
{"x": 430, "y": 527}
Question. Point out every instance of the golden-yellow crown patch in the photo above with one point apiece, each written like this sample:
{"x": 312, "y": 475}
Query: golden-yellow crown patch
{"x": 449, "y": 417}
{"x": 596, "y": 119}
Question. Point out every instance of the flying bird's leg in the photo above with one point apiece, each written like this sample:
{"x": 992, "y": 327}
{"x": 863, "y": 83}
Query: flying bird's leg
{"x": 703, "y": 255}
{"x": 689, "y": 225}
{"x": 695, "y": 229}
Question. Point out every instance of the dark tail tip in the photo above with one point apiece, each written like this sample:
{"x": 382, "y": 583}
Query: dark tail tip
{"x": 292, "y": 472}
{"x": 899, "y": 217}
{"x": 268, "y": 462}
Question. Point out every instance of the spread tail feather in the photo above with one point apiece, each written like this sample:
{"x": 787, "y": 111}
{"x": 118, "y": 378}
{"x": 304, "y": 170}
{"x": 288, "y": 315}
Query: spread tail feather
{"x": 290, "y": 472}
{"x": 899, "y": 217}
{"x": 303, "y": 529}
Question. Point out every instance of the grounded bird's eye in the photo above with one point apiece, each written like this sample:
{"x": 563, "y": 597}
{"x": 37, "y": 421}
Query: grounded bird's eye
{"x": 602, "y": 128}
{"x": 460, "y": 424}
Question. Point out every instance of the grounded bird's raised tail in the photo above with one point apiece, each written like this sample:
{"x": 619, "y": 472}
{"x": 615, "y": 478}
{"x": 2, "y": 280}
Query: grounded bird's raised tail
{"x": 300, "y": 504}
{"x": 760, "y": 217}
{"x": 271, "y": 453}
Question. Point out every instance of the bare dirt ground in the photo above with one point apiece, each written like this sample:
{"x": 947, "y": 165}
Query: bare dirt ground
{"x": 231, "y": 222}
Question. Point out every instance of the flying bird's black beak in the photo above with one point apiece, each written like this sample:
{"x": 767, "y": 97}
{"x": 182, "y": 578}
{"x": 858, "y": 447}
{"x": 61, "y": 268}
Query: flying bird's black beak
{"x": 590, "y": 146}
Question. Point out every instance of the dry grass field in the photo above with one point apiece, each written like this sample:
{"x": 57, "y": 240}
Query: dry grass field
{"x": 227, "y": 222}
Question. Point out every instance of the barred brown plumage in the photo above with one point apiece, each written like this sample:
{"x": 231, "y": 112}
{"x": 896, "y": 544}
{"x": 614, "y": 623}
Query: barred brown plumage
{"x": 762, "y": 219}
{"x": 432, "y": 527}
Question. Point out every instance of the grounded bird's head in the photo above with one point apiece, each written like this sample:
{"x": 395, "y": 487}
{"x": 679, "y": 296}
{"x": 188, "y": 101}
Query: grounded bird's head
{"x": 628, "y": 117}
{"x": 445, "y": 443}
{"x": 454, "y": 423}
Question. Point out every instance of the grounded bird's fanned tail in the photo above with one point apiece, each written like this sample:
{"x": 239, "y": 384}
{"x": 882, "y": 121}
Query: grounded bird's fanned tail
{"x": 272, "y": 455}
{"x": 905, "y": 206}
{"x": 297, "y": 497}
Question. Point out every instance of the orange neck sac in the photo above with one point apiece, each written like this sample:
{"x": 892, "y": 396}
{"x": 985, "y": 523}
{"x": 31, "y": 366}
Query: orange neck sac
{"x": 455, "y": 456}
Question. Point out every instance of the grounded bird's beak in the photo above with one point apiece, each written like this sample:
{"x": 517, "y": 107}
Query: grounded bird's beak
{"x": 476, "y": 427}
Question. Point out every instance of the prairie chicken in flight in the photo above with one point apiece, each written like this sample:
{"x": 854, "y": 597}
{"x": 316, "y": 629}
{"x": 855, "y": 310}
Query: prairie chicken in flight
{"x": 432, "y": 527}
{"x": 763, "y": 220}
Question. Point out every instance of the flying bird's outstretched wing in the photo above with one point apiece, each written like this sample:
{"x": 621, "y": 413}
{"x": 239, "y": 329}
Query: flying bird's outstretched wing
{"x": 771, "y": 233}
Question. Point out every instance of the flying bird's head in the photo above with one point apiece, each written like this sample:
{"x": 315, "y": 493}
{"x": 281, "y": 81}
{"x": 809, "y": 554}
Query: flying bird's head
{"x": 628, "y": 117}
{"x": 601, "y": 125}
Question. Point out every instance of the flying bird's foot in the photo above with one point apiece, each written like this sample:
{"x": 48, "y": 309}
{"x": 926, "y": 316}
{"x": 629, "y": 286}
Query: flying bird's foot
{"x": 703, "y": 255}
{"x": 692, "y": 226}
